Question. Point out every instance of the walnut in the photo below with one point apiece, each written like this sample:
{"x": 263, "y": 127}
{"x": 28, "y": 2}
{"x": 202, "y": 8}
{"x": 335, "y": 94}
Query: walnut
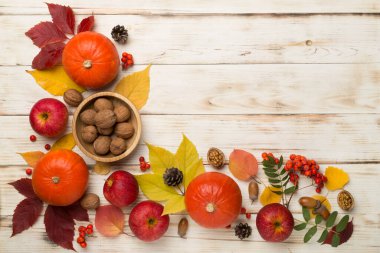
{"x": 90, "y": 201}
{"x": 105, "y": 131}
{"x": 88, "y": 117}
{"x": 72, "y": 97}
{"x": 118, "y": 146}
{"x": 103, "y": 104}
{"x": 122, "y": 113}
{"x": 124, "y": 130}
{"x": 105, "y": 119}
{"x": 102, "y": 145}
{"x": 89, "y": 134}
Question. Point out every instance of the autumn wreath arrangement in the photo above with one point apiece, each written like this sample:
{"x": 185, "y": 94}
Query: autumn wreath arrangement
{"x": 172, "y": 182}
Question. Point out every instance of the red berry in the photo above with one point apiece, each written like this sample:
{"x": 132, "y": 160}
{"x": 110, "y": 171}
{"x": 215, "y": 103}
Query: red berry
{"x": 321, "y": 185}
{"x": 243, "y": 210}
{"x": 90, "y": 226}
{"x": 47, "y": 146}
{"x": 313, "y": 172}
{"x": 313, "y": 162}
{"x": 28, "y": 171}
{"x": 318, "y": 180}
{"x": 80, "y": 239}
{"x": 324, "y": 179}
{"x": 264, "y": 155}
{"x": 276, "y": 160}
{"x": 129, "y": 57}
{"x": 248, "y": 215}
{"x": 142, "y": 165}
{"x": 82, "y": 234}
{"x": 317, "y": 167}
{"x": 141, "y": 159}
{"x": 306, "y": 167}
{"x": 308, "y": 173}
{"x": 147, "y": 166}
{"x": 318, "y": 190}
{"x": 32, "y": 138}
{"x": 81, "y": 229}
{"x": 130, "y": 62}
{"x": 292, "y": 156}
{"x": 270, "y": 154}
{"x": 124, "y": 54}
{"x": 89, "y": 231}
{"x": 83, "y": 244}
{"x": 124, "y": 60}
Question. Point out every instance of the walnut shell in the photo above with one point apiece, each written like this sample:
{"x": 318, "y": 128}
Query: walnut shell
{"x": 89, "y": 134}
{"x": 102, "y": 145}
{"x": 103, "y": 104}
{"x": 122, "y": 113}
{"x": 90, "y": 201}
{"x": 118, "y": 146}
{"x": 105, "y": 119}
{"x": 72, "y": 97}
{"x": 124, "y": 130}
{"x": 88, "y": 117}
{"x": 105, "y": 131}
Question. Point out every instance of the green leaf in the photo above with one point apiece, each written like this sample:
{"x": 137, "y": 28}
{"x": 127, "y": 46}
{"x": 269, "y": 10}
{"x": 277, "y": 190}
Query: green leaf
{"x": 318, "y": 219}
{"x": 270, "y": 170}
{"x": 335, "y": 240}
{"x": 290, "y": 190}
{"x": 342, "y": 224}
{"x": 154, "y": 188}
{"x": 276, "y": 185}
{"x": 279, "y": 165}
{"x": 271, "y": 161}
{"x": 306, "y": 213}
{"x": 323, "y": 236}
{"x": 283, "y": 172}
{"x": 271, "y": 174}
{"x": 310, "y": 234}
{"x": 300, "y": 227}
{"x": 331, "y": 219}
{"x": 174, "y": 205}
{"x": 277, "y": 192}
{"x": 268, "y": 164}
{"x": 161, "y": 159}
{"x": 286, "y": 182}
{"x": 274, "y": 181}
{"x": 286, "y": 177}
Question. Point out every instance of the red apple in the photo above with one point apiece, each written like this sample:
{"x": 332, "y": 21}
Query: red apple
{"x": 274, "y": 222}
{"x": 121, "y": 188}
{"x": 147, "y": 222}
{"x": 48, "y": 117}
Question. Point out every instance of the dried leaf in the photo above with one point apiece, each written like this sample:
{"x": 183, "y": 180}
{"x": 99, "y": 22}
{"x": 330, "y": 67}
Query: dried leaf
{"x": 135, "y": 87}
{"x": 160, "y": 159}
{"x": 55, "y": 80}
{"x": 77, "y": 212}
{"x": 65, "y": 142}
{"x": 243, "y": 165}
{"x": 24, "y": 187}
{"x": 344, "y": 236}
{"x": 26, "y": 214}
{"x": 324, "y": 201}
{"x": 154, "y": 188}
{"x": 63, "y": 17}
{"x": 174, "y": 205}
{"x": 45, "y": 33}
{"x": 268, "y": 196}
{"x": 49, "y": 56}
{"x": 102, "y": 168}
{"x": 109, "y": 220}
{"x": 86, "y": 24}
{"x": 336, "y": 178}
{"x": 32, "y": 157}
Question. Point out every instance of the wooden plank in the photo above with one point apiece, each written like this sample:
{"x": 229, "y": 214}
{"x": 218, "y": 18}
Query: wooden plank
{"x": 326, "y": 138}
{"x": 223, "y": 39}
{"x": 149, "y": 7}
{"x": 232, "y": 89}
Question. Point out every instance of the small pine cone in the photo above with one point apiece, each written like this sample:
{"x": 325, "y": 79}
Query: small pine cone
{"x": 119, "y": 34}
{"x": 173, "y": 177}
{"x": 243, "y": 231}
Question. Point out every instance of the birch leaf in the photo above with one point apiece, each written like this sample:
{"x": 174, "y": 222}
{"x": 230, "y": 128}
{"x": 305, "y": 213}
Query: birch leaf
{"x": 336, "y": 178}
{"x": 154, "y": 188}
{"x": 161, "y": 159}
{"x": 174, "y": 205}
{"x": 269, "y": 197}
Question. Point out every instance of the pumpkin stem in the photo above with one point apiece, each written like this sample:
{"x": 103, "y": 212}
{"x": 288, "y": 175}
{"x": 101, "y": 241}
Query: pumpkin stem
{"x": 55, "y": 180}
{"x": 87, "y": 64}
{"x": 210, "y": 208}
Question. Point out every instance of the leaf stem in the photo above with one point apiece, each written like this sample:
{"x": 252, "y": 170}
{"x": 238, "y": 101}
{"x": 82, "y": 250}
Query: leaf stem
{"x": 179, "y": 188}
{"x": 322, "y": 227}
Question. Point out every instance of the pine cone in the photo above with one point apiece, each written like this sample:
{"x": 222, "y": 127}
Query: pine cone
{"x": 173, "y": 177}
{"x": 119, "y": 34}
{"x": 243, "y": 231}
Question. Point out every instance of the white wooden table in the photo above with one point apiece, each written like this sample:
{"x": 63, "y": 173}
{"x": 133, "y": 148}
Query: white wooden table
{"x": 229, "y": 74}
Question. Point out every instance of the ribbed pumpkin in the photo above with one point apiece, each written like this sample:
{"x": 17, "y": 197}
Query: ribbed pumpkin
{"x": 213, "y": 200}
{"x": 60, "y": 177}
{"x": 91, "y": 60}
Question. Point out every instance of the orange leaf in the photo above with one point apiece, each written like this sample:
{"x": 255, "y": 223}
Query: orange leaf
{"x": 109, "y": 220}
{"x": 31, "y": 158}
{"x": 243, "y": 165}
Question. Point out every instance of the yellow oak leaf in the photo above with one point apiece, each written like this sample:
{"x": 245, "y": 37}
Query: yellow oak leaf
{"x": 31, "y": 158}
{"x": 324, "y": 201}
{"x": 161, "y": 159}
{"x": 268, "y": 196}
{"x": 336, "y": 178}
{"x": 102, "y": 168}
{"x": 135, "y": 87}
{"x": 54, "y": 80}
{"x": 174, "y": 205}
{"x": 65, "y": 142}
{"x": 154, "y": 188}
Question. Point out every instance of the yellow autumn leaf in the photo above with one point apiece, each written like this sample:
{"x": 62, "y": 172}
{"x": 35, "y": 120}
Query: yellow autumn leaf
{"x": 102, "y": 168}
{"x": 65, "y": 142}
{"x": 160, "y": 159}
{"x": 54, "y": 80}
{"x": 135, "y": 87}
{"x": 154, "y": 188}
{"x": 174, "y": 205}
{"x": 324, "y": 201}
{"x": 268, "y": 196}
{"x": 31, "y": 158}
{"x": 197, "y": 169}
{"x": 336, "y": 178}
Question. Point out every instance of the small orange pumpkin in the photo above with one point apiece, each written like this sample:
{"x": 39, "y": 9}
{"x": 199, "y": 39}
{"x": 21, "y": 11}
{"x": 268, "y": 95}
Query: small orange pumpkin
{"x": 213, "y": 200}
{"x": 60, "y": 177}
{"x": 91, "y": 60}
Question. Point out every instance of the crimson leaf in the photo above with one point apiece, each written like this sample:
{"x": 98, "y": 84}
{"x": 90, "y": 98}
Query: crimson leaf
{"x": 59, "y": 226}
{"x": 63, "y": 17}
{"x": 49, "y": 56}
{"x": 24, "y": 187}
{"x": 26, "y": 214}
{"x": 45, "y": 33}
{"x": 77, "y": 212}
{"x": 344, "y": 236}
{"x": 86, "y": 24}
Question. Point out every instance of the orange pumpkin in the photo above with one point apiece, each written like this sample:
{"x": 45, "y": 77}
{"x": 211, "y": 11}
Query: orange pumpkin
{"x": 60, "y": 177}
{"x": 91, "y": 60}
{"x": 213, "y": 200}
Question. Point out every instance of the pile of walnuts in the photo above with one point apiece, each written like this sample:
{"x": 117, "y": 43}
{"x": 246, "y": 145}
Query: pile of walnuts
{"x": 107, "y": 126}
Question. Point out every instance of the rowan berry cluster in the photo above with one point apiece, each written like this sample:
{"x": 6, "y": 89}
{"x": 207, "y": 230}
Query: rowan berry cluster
{"x": 143, "y": 164}
{"x": 83, "y": 232}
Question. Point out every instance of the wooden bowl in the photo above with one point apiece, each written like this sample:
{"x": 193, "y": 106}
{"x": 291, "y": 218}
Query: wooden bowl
{"x": 78, "y": 125}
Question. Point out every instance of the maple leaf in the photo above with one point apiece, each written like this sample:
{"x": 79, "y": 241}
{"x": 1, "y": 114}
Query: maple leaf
{"x": 26, "y": 214}
{"x": 344, "y": 235}
{"x": 45, "y": 33}
{"x": 86, "y": 24}
{"x": 24, "y": 187}
{"x": 49, "y": 56}
{"x": 63, "y": 17}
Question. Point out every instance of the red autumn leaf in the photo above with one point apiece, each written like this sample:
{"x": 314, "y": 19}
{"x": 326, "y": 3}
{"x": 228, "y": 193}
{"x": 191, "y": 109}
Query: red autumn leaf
{"x": 109, "y": 220}
{"x": 86, "y": 24}
{"x": 45, "y": 33}
{"x": 26, "y": 214}
{"x": 24, "y": 187}
{"x": 77, "y": 212}
{"x": 49, "y": 56}
{"x": 59, "y": 226}
{"x": 63, "y": 17}
{"x": 344, "y": 236}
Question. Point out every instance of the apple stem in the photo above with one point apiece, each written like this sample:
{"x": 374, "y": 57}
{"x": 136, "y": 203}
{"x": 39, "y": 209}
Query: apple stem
{"x": 55, "y": 180}
{"x": 210, "y": 207}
